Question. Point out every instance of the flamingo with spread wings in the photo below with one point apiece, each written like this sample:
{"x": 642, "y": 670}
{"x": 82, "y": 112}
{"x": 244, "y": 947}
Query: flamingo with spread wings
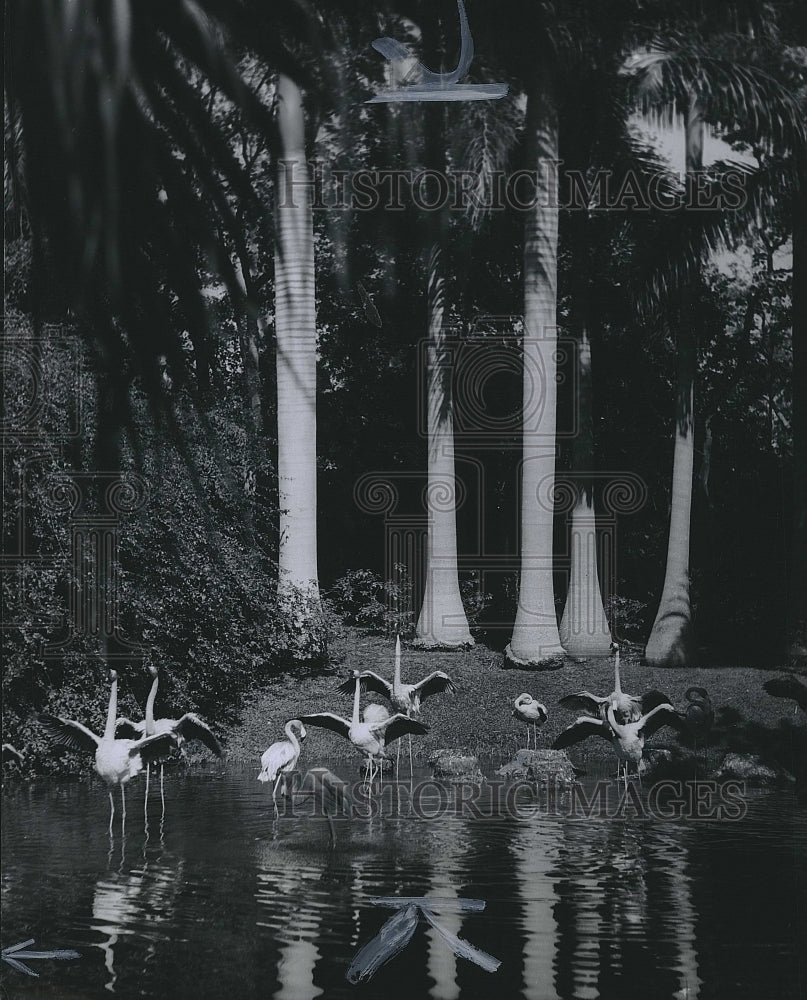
{"x": 370, "y": 738}
{"x": 627, "y": 739}
{"x": 629, "y": 707}
{"x": 117, "y": 761}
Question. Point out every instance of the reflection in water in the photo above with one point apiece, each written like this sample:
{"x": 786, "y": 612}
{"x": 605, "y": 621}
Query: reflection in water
{"x": 535, "y": 850}
{"x": 441, "y": 961}
{"x": 122, "y": 901}
{"x": 626, "y": 913}
{"x": 287, "y": 903}
{"x": 576, "y": 909}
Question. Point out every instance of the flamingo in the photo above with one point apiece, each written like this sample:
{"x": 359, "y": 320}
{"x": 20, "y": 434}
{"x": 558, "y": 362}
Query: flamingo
{"x": 369, "y": 738}
{"x": 788, "y": 687}
{"x": 531, "y": 711}
{"x": 627, "y": 739}
{"x": 281, "y": 758}
{"x": 406, "y": 698}
{"x": 117, "y": 761}
{"x": 188, "y": 727}
{"x": 699, "y": 714}
{"x": 629, "y": 707}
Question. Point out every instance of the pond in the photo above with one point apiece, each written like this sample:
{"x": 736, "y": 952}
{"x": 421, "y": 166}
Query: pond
{"x": 218, "y": 899}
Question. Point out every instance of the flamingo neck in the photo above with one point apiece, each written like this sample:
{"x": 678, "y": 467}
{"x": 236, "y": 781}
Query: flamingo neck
{"x": 289, "y": 729}
{"x": 356, "y": 698}
{"x": 617, "y": 681}
{"x": 616, "y": 726}
{"x": 396, "y": 675}
{"x": 150, "y": 705}
{"x": 112, "y": 711}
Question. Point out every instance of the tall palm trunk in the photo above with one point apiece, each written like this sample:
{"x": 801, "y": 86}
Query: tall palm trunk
{"x": 442, "y": 620}
{"x": 535, "y": 639}
{"x": 584, "y": 627}
{"x": 671, "y": 642}
{"x": 295, "y": 326}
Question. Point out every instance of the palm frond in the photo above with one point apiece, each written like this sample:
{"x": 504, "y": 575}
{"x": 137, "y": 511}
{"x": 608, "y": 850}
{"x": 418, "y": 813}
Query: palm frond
{"x": 731, "y": 92}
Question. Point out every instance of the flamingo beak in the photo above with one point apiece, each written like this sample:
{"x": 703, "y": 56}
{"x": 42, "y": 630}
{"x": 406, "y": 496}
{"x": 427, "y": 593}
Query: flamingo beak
{"x": 303, "y": 733}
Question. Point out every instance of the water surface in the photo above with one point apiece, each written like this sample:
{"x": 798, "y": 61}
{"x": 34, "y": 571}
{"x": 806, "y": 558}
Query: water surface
{"x": 221, "y": 900}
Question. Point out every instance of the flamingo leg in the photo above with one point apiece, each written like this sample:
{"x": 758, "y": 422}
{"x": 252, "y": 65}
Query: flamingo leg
{"x": 123, "y": 810}
{"x": 411, "y": 767}
{"x": 274, "y": 793}
{"x": 111, "y": 812}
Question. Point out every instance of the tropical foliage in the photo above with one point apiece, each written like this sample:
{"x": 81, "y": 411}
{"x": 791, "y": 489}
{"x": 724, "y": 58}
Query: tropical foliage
{"x": 155, "y": 287}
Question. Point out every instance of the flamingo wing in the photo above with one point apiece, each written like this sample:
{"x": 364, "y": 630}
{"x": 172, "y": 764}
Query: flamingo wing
{"x": 276, "y": 757}
{"x": 397, "y": 726}
{"x": 152, "y": 747}
{"x": 435, "y": 683}
{"x": 328, "y": 720}
{"x": 369, "y": 682}
{"x": 125, "y": 729}
{"x": 652, "y": 699}
{"x": 788, "y": 687}
{"x": 191, "y": 727}
{"x": 70, "y": 734}
{"x": 581, "y": 730}
{"x": 583, "y": 701}
{"x": 662, "y": 715}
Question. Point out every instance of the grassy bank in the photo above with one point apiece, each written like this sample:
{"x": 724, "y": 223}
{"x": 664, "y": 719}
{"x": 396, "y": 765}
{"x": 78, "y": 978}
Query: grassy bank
{"x": 477, "y": 719}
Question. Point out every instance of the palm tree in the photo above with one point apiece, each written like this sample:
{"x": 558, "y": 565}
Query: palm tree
{"x": 697, "y": 82}
{"x": 671, "y": 641}
{"x": 535, "y": 640}
{"x": 550, "y": 51}
{"x": 442, "y": 620}
{"x": 296, "y": 333}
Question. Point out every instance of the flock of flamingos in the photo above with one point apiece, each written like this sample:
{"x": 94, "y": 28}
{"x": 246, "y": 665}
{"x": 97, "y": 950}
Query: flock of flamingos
{"x": 626, "y": 721}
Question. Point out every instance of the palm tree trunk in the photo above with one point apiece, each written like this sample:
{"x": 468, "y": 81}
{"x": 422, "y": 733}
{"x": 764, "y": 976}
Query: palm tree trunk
{"x": 535, "y": 640}
{"x": 295, "y": 327}
{"x": 442, "y": 620}
{"x": 584, "y": 627}
{"x": 671, "y": 642}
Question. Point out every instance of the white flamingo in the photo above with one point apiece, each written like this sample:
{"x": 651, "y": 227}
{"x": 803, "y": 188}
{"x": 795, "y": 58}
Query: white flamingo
{"x": 188, "y": 727}
{"x": 116, "y": 760}
{"x": 281, "y": 758}
{"x": 627, "y": 739}
{"x": 370, "y": 738}
{"x": 405, "y": 698}
{"x": 629, "y": 707}
{"x": 531, "y": 711}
